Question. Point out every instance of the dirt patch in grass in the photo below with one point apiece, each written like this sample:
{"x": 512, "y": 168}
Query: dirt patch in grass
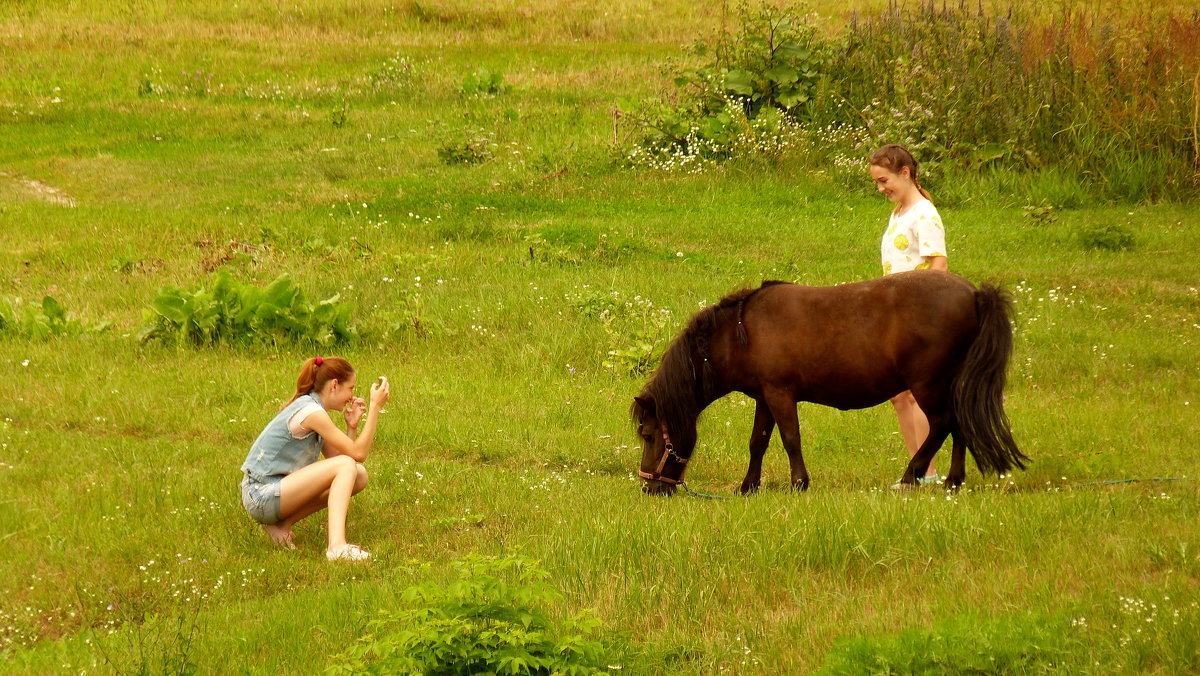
{"x": 31, "y": 188}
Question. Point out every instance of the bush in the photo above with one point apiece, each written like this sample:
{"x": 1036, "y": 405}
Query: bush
{"x": 490, "y": 620}
{"x": 774, "y": 61}
{"x": 694, "y": 144}
{"x": 638, "y": 332}
{"x": 41, "y": 321}
{"x": 473, "y": 146}
{"x": 746, "y": 99}
{"x": 398, "y": 73}
{"x": 1105, "y": 236}
{"x": 407, "y": 315}
{"x": 236, "y": 313}
{"x": 484, "y": 82}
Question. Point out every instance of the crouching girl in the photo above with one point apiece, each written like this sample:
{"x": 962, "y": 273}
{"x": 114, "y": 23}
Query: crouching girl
{"x": 285, "y": 481}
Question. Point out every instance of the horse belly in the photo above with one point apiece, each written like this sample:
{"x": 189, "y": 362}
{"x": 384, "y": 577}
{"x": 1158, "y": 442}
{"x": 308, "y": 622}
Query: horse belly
{"x": 841, "y": 379}
{"x": 848, "y": 402}
{"x": 850, "y": 388}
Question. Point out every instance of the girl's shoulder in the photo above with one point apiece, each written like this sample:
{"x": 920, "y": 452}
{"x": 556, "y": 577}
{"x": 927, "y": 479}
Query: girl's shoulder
{"x": 914, "y": 211}
{"x": 311, "y": 406}
{"x": 301, "y": 412}
{"x": 924, "y": 206}
{"x": 296, "y": 422}
{"x": 923, "y": 210}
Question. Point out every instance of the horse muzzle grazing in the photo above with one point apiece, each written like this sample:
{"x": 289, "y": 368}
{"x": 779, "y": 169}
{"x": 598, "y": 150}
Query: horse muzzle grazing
{"x": 662, "y": 471}
{"x": 656, "y": 487}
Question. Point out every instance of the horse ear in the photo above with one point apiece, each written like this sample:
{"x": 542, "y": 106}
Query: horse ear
{"x": 646, "y": 402}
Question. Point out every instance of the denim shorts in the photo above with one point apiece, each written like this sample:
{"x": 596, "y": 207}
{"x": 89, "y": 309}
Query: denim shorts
{"x": 261, "y": 498}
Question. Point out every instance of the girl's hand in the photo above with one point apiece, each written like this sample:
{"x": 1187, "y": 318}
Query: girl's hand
{"x": 354, "y": 412}
{"x": 380, "y": 391}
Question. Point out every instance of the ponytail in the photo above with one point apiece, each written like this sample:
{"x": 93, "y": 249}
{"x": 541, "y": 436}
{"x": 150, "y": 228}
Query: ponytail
{"x": 319, "y": 370}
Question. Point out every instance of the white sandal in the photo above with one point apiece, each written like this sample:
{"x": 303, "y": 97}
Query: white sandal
{"x": 348, "y": 553}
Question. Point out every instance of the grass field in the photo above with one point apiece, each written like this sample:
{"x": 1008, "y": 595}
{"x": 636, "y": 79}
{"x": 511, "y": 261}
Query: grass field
{"x": 148, "y": 144}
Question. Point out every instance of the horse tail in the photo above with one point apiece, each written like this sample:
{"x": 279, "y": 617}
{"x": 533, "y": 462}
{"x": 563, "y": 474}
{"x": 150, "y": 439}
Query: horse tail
{"x": 979, "y": 386}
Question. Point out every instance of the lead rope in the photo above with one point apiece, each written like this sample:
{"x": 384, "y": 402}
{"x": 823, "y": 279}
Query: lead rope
{"x": 689, "y": 491}
{"x": 1129, "y": 481}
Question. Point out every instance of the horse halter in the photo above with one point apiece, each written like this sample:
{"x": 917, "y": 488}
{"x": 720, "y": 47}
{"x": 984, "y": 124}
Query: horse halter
{"x": 668, "y": 452}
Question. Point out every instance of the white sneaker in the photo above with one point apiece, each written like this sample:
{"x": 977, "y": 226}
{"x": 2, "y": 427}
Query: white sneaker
{"x": 348, "y": 553}
{"x": 932, "y": 479}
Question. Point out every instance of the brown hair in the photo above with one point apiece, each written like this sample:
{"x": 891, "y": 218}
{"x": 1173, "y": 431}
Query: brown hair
{"x": 319, "y": 370}
{"x": 894, "y": 158}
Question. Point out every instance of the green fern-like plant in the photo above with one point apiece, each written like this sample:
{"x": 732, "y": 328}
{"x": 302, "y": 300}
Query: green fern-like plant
{"x": 490, "y": 620}
{"x": 235, "y": 313}
{"x": 41, "y": 321}
{"x": 484, "y": 82}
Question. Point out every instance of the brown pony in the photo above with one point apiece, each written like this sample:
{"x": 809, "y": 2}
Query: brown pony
{"x": 849, "y": 346}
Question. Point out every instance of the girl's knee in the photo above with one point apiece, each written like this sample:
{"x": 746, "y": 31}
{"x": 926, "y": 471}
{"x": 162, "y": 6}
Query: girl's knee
{"x": 344, "y": 463}
{"x": 360, "y": 479}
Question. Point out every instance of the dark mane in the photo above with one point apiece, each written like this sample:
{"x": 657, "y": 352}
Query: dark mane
{"x": 683, "y": 383}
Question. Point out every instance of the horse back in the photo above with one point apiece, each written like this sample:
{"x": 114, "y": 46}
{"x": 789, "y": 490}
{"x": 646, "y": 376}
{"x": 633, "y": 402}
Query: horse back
{"x": 854, "y": 345}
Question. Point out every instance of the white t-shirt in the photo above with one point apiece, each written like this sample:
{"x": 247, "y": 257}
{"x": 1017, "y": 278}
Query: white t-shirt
{"x": 912, "y": 238}
{"x": 296, "y": 423}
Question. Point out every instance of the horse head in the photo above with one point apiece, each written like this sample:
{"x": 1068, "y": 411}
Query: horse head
{"x": 661, "y": 468}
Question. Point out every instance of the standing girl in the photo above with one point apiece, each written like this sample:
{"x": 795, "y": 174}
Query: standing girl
{"x": 914, "y": 240}
{"x": 284, "y": 480}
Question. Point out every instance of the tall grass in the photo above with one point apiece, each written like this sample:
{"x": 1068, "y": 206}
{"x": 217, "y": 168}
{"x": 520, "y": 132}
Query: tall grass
{"x": 1107, "y": 96}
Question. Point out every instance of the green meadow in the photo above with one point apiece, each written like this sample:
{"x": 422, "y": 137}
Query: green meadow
{"x": 502, "y": 264}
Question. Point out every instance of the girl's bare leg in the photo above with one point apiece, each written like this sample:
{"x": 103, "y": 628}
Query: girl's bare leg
{"x": 320, "y": 502}
{"x": 327, "y": 483}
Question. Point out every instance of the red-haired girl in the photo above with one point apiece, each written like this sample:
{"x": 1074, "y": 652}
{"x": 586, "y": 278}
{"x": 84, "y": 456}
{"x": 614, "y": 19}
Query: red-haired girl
{"x": 284, "y": 479}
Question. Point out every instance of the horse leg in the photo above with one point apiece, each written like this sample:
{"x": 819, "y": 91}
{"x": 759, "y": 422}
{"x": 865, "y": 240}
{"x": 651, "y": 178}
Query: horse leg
{"x": 783, "y": 408}
{"x": 760, "y": 438}
{"x": 931, "y": 398}
{"x": 938, "y": 431}
{"x": 958, "y": 462}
